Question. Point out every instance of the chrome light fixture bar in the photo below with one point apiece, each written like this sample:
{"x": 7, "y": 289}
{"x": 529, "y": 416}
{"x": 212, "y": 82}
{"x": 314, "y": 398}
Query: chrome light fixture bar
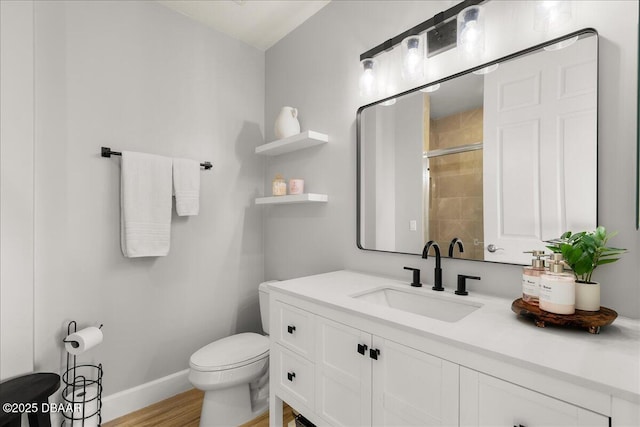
{"x": 441, "y": 32}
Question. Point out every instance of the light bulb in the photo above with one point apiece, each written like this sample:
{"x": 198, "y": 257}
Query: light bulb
{"x": 368, "y": 78}
{"x": 411, "y": 61}
{"x": 550, "y": 15}
{"x": 412, "y": 58}
{"x": 471, "y": 33}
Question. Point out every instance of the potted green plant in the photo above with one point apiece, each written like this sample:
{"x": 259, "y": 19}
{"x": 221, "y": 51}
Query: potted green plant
{"x": 583, "y": 252}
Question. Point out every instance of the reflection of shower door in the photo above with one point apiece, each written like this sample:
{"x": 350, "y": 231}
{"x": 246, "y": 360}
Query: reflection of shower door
{"x": 539, "y": 135}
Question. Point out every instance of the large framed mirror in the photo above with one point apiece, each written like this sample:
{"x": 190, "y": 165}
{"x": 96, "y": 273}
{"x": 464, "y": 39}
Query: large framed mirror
{"x": 501, "y": 157}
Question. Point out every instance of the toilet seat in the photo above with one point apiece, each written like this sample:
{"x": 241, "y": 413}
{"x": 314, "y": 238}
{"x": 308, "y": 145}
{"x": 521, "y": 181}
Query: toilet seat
{"x": 231, "y": 352}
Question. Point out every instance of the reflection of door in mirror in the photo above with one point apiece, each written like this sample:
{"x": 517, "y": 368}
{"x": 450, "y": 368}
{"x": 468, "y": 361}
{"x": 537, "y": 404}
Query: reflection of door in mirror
{"x": 540, "y": 129}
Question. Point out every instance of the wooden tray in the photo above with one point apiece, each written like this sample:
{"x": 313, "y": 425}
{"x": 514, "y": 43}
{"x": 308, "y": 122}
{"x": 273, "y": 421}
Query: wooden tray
{"x": 591, "y": 320}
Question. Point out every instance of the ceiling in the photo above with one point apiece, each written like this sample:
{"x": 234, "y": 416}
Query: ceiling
{"x": 259, "y": 23}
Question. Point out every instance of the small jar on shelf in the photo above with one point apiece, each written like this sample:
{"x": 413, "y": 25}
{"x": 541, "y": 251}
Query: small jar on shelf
{"x": 279, "y": 186}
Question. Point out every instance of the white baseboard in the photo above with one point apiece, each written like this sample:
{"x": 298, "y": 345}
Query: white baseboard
{"x": 127, "y": 401}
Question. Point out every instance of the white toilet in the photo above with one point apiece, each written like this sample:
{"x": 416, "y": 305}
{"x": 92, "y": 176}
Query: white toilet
{"x": 234, "y": 374}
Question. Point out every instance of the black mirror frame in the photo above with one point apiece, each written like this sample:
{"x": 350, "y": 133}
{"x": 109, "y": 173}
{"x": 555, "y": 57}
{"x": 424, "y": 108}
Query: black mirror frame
{"x": 584, "y": 31}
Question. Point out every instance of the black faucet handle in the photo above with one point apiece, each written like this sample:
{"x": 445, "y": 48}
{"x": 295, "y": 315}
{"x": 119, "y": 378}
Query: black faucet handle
{"x": 416, "y": 277}
{"x": 462, "y": 284}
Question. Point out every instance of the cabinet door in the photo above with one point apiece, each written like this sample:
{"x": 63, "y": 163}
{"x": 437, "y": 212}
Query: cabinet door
{"x": 343, "y": 374}
{"x": 488, "y": 401}
{"x": 412, "y": 388}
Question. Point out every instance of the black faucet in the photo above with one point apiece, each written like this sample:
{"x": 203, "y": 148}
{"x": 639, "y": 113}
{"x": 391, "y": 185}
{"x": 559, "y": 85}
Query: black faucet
{"x": 437, "y": 272}
{"x": 452, "y": 246}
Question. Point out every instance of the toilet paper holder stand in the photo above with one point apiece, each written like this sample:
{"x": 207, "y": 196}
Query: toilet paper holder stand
{"x": 82, "y": 388}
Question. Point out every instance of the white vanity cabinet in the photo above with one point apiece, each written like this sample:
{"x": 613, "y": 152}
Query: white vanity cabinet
{"x": 489, "y": 401}
{"x": 342, "y": 361}
{"x": 353, "y": 378}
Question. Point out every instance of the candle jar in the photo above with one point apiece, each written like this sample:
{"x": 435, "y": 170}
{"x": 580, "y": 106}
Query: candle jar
{"x": 296, "y": 186}
{"x": 279, "y": 186}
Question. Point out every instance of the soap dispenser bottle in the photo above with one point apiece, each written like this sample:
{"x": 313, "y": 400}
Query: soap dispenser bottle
{"x": 557, "y": 288}
{"x": 531, "y": 278}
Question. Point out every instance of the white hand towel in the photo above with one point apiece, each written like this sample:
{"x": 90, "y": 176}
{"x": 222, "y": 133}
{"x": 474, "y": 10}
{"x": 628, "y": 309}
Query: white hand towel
{"x": 145, "y": 205}
{"x": 186, "y": 186}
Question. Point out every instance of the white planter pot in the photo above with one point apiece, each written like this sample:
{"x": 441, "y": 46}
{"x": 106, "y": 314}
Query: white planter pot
{"x": 588, "y": 296}
{"x": 287, "y": 123}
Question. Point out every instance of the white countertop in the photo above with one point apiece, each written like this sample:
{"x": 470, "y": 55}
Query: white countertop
{"x": 609, "y": 360}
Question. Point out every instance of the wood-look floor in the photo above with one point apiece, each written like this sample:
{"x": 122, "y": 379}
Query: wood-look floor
{"x": 182, "y": 410}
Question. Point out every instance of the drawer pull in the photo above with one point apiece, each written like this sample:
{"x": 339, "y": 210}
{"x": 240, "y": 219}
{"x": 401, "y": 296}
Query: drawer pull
{"x": 362, "y": 348}
{"x": 374, "y": 353}
{"x": 290, "y": 329}
{"x": 291, "y": 376}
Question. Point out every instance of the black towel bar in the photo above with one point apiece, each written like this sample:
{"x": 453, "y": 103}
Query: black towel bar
{"x": 106, "y": 152}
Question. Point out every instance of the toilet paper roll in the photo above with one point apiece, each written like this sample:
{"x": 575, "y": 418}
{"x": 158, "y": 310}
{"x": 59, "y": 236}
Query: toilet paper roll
{"x": 83, "y": 340}
{"x": 86, "y": 397}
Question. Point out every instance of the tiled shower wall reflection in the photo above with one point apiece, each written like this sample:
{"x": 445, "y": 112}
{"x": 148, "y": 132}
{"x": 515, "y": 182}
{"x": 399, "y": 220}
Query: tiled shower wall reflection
{"x": 455, "y": 183}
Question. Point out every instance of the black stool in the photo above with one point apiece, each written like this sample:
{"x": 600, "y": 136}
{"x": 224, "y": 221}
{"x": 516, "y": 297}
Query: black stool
{"x": 32, "y": 389}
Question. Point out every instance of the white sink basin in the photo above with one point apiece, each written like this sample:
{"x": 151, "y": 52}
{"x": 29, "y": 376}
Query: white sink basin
{"x": 434, "y": 306}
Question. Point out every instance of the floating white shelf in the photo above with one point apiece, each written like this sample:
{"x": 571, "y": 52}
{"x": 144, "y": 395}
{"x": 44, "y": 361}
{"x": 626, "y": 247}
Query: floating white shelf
{"x": 295, "y": 198}
{"x": 302, "y": 140}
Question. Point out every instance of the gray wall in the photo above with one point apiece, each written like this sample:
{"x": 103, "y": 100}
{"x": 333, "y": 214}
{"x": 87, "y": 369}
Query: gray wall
{"x": 316, "y": 69}
{"x": 16, "y": 188}
{"x": 138, "y": 76}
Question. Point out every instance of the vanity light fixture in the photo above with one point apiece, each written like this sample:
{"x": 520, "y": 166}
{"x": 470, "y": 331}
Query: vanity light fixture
{"x": 471, "y": 33}
{"x": 441, "y": 35}
{"x": 412, "y": 58}
{"x": 431, "y": 88}
{"x": 368, "y": 78}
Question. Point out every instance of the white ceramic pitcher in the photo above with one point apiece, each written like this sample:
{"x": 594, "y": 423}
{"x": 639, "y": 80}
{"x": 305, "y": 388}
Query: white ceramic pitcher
{"x": 287, "y": 123}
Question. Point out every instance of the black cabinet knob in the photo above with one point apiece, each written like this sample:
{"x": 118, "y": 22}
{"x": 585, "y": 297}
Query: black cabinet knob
{"x": 290, "y": 329}
{"x": 374, "y": 353}
{"x": 362, "y": 348}
{"x": 291, "y": 376}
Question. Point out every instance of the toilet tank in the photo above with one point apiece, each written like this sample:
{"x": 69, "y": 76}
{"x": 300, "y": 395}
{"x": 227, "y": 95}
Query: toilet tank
{"x": 263, "y": 291}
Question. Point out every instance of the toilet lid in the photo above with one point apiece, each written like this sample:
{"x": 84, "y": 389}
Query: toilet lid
{"x": 231, "y": 352}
